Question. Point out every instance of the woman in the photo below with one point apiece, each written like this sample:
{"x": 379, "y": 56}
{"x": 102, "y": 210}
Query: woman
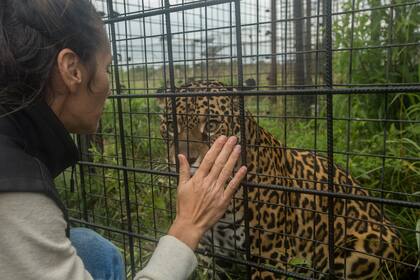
{"x": 54, "y": 56}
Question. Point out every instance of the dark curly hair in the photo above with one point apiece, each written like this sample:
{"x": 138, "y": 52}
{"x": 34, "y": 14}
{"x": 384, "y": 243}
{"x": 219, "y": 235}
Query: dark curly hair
{"x": 32, "y": 33}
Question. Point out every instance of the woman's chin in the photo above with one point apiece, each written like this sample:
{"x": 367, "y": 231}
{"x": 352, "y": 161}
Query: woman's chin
{"x": 86, "y": 129}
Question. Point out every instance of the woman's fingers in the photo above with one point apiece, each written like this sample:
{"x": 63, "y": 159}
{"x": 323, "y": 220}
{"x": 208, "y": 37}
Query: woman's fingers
{"x": 198, "y": 209}
{"x": 184, "y": 169}
{"x": 211, "y": 156}
{"x": 222, "y": 158}
{"x": 234, "y": 184}
{"x": 229, "y": 166}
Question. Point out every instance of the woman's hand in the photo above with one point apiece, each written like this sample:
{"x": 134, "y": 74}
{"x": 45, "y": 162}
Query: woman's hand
{"x": 203, "y": 199}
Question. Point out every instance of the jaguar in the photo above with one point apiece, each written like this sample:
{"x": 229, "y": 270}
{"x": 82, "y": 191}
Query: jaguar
{"x": 287, "y": 230}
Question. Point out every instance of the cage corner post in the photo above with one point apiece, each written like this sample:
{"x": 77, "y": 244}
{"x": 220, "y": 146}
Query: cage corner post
{"x": 330, "y": 135}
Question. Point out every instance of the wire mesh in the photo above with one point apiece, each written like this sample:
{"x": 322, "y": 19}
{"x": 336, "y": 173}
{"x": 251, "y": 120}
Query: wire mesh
{"x": 324, "y": 97}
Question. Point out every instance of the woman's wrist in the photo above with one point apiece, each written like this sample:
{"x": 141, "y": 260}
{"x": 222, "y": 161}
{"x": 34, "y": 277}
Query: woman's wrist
{"x": 186, "y": 232}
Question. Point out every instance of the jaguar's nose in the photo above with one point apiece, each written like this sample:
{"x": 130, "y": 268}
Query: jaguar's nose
{"x": 192, "y": 161}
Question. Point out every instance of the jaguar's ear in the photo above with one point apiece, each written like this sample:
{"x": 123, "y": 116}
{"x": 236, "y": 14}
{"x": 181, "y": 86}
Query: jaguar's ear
{"x": 250, "y": 84}
{"x": 161, "y": 101}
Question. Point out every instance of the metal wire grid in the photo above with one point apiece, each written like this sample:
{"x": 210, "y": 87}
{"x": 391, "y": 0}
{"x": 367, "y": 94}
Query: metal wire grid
{"x": 124, "y": 189}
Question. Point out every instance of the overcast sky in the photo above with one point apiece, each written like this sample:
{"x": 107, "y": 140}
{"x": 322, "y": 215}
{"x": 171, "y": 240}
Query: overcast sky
{"x": 141, "y": 40}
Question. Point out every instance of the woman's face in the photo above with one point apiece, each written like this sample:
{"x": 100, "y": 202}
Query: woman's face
{"x": 78, "y": 93}
{"x": 93, "y": 95}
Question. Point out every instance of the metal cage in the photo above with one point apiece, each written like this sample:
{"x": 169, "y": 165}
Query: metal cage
{"x": 338, "y": 79}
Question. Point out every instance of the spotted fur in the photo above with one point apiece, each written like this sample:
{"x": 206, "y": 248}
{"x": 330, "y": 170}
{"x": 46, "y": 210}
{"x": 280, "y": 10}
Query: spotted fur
{"x": 284, "y": 226}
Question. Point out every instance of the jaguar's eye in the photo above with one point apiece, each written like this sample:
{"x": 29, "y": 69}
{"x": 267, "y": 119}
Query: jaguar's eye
{"x": 212, "y": 126}
{"x": 170, "y": 127}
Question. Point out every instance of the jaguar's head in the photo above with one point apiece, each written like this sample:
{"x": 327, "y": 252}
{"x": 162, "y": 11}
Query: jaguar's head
{"x": 199, "y": 121}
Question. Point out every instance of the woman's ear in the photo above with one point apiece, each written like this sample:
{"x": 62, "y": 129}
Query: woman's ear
{"x": 70, "y": 69}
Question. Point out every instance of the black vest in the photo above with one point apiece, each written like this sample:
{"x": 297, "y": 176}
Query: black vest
{"x": 34, "y": 148}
